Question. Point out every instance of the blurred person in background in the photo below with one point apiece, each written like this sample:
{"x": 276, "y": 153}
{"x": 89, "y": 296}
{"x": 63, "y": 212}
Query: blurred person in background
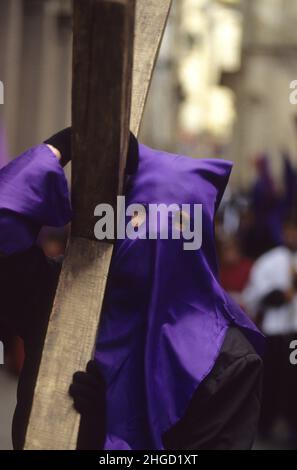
{"x": 53, "y": 241}
{"x": 271, "y": 298}
{"x": 13, "y": 345}
{"x": 260, "y": 224}
{"x": 234, "y": 268}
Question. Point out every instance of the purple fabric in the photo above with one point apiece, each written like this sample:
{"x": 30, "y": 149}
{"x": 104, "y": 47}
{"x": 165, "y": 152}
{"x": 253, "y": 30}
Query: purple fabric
{"x": 290, "y": 187}
{"x": 266, "y": 206}
{"x": 33, "y": 193}
{"x": 165, "y": 314}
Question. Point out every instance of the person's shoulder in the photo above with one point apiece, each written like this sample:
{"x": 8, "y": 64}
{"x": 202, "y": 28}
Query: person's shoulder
{"x": 236, "y": 353}
{"x": 236, "y": 344}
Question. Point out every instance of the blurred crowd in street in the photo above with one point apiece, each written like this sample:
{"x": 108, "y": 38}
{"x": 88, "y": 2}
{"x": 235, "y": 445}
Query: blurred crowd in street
{"x": 257, "y": 247}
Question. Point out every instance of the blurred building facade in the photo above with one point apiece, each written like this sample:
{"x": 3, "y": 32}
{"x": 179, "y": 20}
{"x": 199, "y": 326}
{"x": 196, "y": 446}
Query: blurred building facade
{"x": 266, "y": 120}
{"x": 35, "y": 67}
{"x": 202, "y": 41}
{"x": 221, "y": 85}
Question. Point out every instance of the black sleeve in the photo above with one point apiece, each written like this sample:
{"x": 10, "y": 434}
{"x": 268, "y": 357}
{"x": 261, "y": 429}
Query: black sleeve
{"x": 62, "y": 142}
{"x": 27, "y": 281}
{"x": 224, "y": 411}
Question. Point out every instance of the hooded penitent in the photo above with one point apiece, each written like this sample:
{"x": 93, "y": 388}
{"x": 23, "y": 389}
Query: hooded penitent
{"x": 165, "y": 314}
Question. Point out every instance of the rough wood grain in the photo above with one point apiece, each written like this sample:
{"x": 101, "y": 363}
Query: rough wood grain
{"x": 102, "y": 81}
{"x": 102, "y": 71}
{"x": 151, "y": 18}
{"x": 69, "y": 342}
{"x": 100, "y": 143}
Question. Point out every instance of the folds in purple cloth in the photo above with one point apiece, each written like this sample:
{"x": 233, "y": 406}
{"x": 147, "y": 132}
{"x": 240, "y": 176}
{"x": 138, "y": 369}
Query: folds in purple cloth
{"x": 165, "y": 314}
{"x": 33, "y": 193}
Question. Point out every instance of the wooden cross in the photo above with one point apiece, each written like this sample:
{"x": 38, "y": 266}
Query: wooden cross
{"x": 104, "y": 32}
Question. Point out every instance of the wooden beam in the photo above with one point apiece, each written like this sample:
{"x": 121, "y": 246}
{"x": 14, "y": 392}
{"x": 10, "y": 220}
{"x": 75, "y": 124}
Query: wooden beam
{"x": 102, "y": 80}
{"x": 102, "y": 71}
{"x": 151, "y": 19}
{"x": 100, "y": 137}
{"x": 54, "y": 424}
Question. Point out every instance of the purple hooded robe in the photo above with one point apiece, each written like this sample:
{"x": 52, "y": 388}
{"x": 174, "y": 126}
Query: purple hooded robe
{"x": 165, "y": 315}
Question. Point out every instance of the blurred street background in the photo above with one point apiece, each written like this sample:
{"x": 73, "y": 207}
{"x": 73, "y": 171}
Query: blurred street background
{"x": 224, "y": 88}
